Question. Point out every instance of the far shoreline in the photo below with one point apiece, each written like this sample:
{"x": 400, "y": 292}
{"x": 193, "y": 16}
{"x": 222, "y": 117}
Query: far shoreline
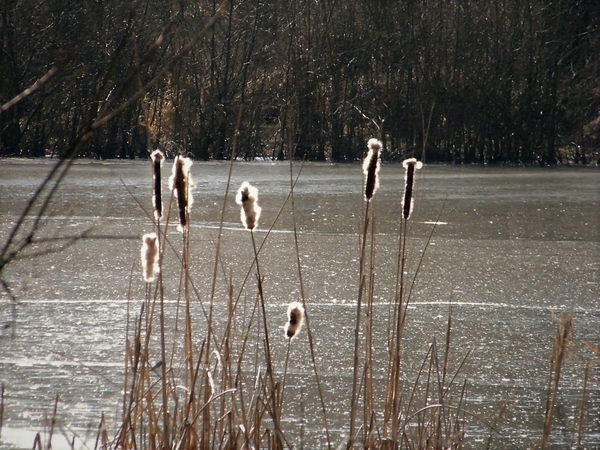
{"x": 85, "y": 160}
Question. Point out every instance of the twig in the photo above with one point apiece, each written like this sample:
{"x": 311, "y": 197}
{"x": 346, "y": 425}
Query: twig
{"x": 31, "y": 89}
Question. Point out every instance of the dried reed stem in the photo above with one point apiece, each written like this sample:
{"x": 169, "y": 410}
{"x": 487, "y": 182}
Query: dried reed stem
{"x": 157, "y": 159}
{"x": 561, "y": 342}
{"x": 188, "y": 347}
{"x": 163, "y": 354}
{"x": 355, "y": 371}
{"x": 1, "y": 406}
{"x": 102, "y": 434}
{"x": 225, "y": 342}
{"x": 247, "y": 198}
{"x": 181, "y": 185}
{"x": 392, "y": 409}
{"x": 368, "y": 376}
{"x": 582, "y": 407}
{"x": 371, "y": 167}
{"x": 285, "y": 371}
{"x": 269, "y": 360}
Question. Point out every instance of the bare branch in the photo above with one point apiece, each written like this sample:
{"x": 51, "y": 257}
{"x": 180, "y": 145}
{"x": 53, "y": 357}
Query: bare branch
{"x": 30, "y": 90}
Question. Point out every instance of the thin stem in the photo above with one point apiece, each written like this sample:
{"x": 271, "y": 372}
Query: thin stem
{"x": 368, "y": 403}
{"x": 285, "y": 369}
{"x": 355, "y": 374}
{"x": 583, "y": 402}
{"x": 270, "y": 377}
{"x": 400, "y": 320}
{"x": 163, "y": 352}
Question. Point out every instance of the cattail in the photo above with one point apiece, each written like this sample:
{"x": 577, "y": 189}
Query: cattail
{"x": 157, "y": 159}
{"x": 150, "y": 256}
{"x": 371, "y": 166}
{"x": 247, "y": 197}
{"x": 407, "y": 202}
{"x": 295, "y": 314}
{"x": 180, "y": 182}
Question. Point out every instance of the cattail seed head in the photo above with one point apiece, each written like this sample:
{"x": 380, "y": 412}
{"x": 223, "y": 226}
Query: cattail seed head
{"x": 247, "y": 197}
{"x": 180, "y": 182}
{"x": 410, "y": 165}
{"x": 295, "y": 315}
{"x": 150, "y": 256}
{"x": 157, "y": 159}
{"x": 371, "y": 167}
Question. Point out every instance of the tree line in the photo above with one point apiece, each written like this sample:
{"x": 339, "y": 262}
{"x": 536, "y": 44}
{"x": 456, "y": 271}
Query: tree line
{"x": 455, "y": 81}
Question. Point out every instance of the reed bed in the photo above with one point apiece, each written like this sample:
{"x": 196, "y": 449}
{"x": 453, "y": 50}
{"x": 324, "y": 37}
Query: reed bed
{"x": 222, "y": 405}
{"x": 202, "y": 383}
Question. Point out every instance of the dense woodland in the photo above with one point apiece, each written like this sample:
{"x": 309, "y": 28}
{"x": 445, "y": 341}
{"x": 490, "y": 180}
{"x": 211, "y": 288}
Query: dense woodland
{"x": 460, "y": 81}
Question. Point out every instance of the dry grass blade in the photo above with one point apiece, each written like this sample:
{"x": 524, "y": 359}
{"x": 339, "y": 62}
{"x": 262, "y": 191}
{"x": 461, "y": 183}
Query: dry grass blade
{"x": 561, "y": 342}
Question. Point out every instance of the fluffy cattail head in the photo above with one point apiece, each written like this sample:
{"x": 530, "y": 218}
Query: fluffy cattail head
{"x": 150, "y": 256}
{"x": 295, "y": 315}
{"x": 180, "y": 182}
{"x": 371, "y": 167}
{"x": 247, "y": 197}
{"x": 410, "y": 165}
{"x": 157, "y": 159}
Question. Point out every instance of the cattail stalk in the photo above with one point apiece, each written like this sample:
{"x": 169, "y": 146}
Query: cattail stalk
{"x": 157, "y": 159}
{"x": 247, "y": 198}
{"x": 150, "y": 256}
{"x": 180, "y": 182}
{"x": 371, "y": 166}
{"x": 392, "y": 402}
{"x": 407, "y": 202}
{"x": 371, "y": 169}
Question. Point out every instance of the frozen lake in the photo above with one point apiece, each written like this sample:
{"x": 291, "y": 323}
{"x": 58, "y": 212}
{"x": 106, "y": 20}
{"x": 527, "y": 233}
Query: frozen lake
{"x": 514, "y": 249}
